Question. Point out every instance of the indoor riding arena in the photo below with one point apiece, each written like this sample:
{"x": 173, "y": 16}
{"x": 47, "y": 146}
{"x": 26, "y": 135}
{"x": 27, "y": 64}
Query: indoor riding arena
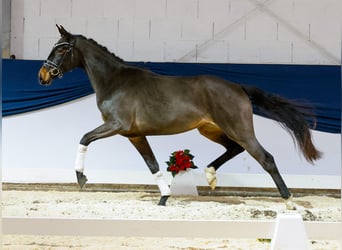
{"x": 171, "y": 124}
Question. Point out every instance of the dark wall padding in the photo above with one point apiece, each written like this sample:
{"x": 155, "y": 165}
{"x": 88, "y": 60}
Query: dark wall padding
{"x": 316, "y": 84}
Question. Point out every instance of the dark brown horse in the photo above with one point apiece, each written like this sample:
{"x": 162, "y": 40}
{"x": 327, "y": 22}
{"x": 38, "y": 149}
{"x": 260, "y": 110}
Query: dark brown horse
{"x": 135, "y": 103}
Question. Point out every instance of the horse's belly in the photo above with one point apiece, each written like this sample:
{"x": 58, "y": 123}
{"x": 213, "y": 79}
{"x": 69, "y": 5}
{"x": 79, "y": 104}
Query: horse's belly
{"x": 170, "y": 127}
{"x": 169, "y": 118}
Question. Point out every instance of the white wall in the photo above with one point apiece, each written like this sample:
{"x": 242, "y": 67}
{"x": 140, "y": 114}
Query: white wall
{"x": 6, "y": 26}
{"x": 236, "y": 31}
{"x": 41, "y": 146}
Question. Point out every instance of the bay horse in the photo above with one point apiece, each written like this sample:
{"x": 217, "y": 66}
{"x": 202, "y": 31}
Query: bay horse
{"x": 136, "y": 103}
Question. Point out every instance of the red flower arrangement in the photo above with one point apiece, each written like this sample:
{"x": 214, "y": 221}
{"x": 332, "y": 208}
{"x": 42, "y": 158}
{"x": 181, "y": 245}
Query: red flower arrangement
{"x": 180, "y": 161}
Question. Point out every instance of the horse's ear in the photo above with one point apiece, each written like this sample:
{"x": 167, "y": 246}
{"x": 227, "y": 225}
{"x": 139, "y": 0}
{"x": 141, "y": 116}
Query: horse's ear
{"x": 62, "y": 31}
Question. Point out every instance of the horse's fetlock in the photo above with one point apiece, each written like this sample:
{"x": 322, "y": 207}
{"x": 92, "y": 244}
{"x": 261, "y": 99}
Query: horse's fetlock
{"x": 210, "y": 173}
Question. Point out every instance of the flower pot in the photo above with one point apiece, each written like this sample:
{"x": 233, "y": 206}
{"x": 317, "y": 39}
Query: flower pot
{"x": 184, "y": 183}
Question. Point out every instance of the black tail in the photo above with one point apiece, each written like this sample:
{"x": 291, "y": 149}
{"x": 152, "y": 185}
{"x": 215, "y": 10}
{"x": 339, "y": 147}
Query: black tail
{"x": 290, "y": 115}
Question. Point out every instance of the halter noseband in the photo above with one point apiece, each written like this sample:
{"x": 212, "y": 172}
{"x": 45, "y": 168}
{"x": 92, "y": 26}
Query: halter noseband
{"x": 54, "y": 68}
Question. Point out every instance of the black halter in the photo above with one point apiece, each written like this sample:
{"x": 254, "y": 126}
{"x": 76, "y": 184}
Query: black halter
{"x": 54, "y": 67}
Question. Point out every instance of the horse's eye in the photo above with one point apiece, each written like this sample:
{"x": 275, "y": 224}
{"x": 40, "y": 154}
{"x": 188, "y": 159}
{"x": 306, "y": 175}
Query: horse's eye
{"x": 61, "y": 50}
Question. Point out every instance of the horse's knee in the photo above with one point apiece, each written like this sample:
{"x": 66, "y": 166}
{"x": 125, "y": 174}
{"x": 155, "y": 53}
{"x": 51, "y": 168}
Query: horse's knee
{"x": 87, "y": 138}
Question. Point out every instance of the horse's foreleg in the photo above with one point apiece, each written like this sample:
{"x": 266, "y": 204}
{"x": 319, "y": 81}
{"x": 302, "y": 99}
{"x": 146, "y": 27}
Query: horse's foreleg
{"x": 79, "y": 165}
{"x": 141, "y": 144}
{"x": 105, "y": 130}
{"x": 163, "y": 188}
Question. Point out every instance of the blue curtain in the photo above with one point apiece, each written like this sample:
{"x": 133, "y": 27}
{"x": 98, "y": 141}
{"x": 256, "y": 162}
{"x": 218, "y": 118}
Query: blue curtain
{"x": 318, "y": 85}
{"x": 21, "y": 91}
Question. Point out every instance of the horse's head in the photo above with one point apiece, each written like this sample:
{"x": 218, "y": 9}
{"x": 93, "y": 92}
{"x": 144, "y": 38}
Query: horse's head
{"x": 62, "y": 58}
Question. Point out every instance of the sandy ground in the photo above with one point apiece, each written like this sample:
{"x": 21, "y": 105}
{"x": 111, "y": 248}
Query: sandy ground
{"x": 142, "y": 205}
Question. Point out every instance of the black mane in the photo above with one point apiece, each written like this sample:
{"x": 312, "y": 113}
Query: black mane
{"x": 103, "y": 48}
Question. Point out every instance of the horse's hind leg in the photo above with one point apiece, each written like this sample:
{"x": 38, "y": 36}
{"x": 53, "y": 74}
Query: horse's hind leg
{"x": 215, "y": 134}
{"x": 267, "y": 162}
{"x": 141, "y": 144}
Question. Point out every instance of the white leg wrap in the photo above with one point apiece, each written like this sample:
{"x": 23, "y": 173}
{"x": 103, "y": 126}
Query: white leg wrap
{"x": 210, "y": 174}
{"x": 289, "y": 203}
{"x": 163, "y": 187}
{"x": 79, "y": 163}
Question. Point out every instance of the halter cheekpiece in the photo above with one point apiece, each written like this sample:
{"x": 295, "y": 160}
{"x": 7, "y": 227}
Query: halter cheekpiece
{"x": 54, "y": 68}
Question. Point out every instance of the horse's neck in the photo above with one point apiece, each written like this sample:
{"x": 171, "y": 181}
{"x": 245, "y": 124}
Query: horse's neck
{"x": 99, "y": 66}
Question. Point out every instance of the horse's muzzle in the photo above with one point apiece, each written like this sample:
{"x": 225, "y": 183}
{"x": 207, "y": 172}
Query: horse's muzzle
{"x": 45, "y": 77}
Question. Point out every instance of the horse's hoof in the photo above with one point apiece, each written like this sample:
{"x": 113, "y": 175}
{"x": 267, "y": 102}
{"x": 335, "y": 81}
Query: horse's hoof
{"x": 81, "y": 179}
{"x": 210, "y": 174}
{"x": 163, "y": 199}
{"x": 289, "y": 203}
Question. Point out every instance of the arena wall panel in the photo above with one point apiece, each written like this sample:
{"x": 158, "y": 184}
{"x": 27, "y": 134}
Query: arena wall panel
{"x": 297, "y": 32}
